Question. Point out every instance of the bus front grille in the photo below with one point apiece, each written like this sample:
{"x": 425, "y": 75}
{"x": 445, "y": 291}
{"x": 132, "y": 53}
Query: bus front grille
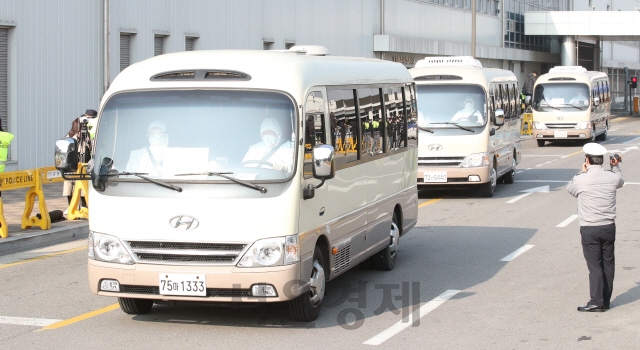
{"x": 561, "y": 125}
{"x": 155, "y": 252}
{"x": 211, "y": 292}
{"x": 440, "y": 161}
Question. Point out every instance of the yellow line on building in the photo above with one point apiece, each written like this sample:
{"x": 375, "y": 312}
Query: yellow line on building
{"x": 43, "y": 257}
{"x": 81, "y": 317}
{"x": 429, "y": 202}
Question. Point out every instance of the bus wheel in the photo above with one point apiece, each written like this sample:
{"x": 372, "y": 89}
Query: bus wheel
{"x": 133, "y": 306}
{"x": 487, "y": 189}
{"x": 540, "y": 143}
{"x": 306, "y": 307}
{"x": 509, "y": 177}
{"x": 386, "y": 259}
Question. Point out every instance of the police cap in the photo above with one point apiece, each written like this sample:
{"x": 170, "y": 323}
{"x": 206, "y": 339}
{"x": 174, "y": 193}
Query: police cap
{"x": 90, "y": 113}
{"x": 594, "y": 149}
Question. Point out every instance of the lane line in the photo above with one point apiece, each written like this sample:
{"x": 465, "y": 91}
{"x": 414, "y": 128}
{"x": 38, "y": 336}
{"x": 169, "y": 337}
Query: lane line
{"x": 405, "y": 323}
{"x": 521, "y": 171}
{"x": 81, "y": 317}
{"x": 27, "y": 321}
{"x": 518, "y": 252}
{"x": 624, "y": 143}
{"x": 619, "y": 119}
{"x": 542, "y": 155}
{"x": 559, "y": 181}
{"x": 42, "y": 257}
{"x": 429, "y": 202}
{"x": 572, "y": 154}
{"x": 569, "y": 220}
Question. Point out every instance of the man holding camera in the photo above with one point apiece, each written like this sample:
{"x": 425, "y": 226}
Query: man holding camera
{"x": 596, "y": 189}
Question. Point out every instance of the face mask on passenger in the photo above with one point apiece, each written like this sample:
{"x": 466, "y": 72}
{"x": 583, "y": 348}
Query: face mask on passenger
{"x": 156, "y": 140}
{"x": 269, "y": 140}
{"x": 468, "y": 106}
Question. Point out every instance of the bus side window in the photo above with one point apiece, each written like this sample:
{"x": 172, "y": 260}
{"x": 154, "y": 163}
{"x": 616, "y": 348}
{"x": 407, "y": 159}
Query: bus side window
{"x": 499, "y": 97}
{"x": 314, "y": 128}
{"x": 518, "y": 104}
{"x": 412, "y": 120}
{"x": 351, "y": 126}
{"x": 393, "y": 107}
{"x": 366, "y": 116}
{"x": 506, "y": 102}
{"x": 377, "y": 124}
{"x": 515, "y": 108}
{"x": 338, "y": 125}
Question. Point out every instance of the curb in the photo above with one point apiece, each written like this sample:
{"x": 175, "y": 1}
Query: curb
{"x": 42, "y": 239}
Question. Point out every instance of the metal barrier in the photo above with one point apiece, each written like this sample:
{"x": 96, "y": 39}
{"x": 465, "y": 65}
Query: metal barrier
{"x": 32, "y": 179}
{"x": 527, "y": 124}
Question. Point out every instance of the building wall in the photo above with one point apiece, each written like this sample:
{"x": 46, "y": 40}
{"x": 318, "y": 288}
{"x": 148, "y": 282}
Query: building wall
{"x": 55, "y": 72}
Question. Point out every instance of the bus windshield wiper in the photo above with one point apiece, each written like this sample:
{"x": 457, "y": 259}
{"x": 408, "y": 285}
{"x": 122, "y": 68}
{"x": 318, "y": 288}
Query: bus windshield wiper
{"x": 570, "y": 105}
{"x": 425, "y": 129}
{"x": 456, "y": 124}
{"x": 140, "y": 175}
{"x": 239, "y": 182}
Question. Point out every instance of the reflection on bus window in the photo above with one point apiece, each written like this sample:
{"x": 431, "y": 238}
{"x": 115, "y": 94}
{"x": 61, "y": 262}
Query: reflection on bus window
{"x": 461, "y": 104}
{"x": 565, "y": 96}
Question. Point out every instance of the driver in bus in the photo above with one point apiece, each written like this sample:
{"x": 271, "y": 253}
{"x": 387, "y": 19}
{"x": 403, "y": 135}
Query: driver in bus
{"x": 272, "y": 151}
{"x": 580, "y": 99}
{"x": 468, "y": 113}
{"x": 149, "y": 159}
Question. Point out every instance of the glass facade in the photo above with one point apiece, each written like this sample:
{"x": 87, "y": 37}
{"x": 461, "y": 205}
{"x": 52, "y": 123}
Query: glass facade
{"x": 514, "y": 23}
{"x": 488, "y": 7}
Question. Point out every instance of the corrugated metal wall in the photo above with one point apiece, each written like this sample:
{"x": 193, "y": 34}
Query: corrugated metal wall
{"x": 56, "y": 71}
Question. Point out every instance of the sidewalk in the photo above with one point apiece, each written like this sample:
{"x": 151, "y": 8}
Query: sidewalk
{"x": 61, "y": 231}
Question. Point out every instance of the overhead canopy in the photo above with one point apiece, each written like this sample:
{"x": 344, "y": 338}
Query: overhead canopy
{"x": 602, "y": 25}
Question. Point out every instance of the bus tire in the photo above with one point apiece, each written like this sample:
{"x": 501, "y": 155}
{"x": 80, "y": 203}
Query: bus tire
{"x": 306, "y": 307}
{"x": 487, "y": 189}
{"x": 509, "y": 177}
{"x": 134, "y": 306}
{"x": 386, "y": 258}
{"x": 540, "y": 143}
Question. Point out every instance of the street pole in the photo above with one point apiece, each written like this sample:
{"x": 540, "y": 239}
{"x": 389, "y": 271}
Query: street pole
{"x": 473, "y": 28}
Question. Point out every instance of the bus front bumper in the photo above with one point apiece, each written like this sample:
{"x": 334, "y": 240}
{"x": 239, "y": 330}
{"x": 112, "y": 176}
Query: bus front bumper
{"x": 455, "y": 176}
{"x": 223, "y": 283}
{"x": 562, "y": 134}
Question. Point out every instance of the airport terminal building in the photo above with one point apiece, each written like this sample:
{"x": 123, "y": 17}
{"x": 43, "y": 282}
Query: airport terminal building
{"x": 58, "y": 57}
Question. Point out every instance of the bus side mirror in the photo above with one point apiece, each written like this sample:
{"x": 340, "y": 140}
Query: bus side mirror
{"x": 499, "y": 117}
{"x": 66, "y": 155}
{"x": 324, "y": 168}
{"x": 596, "y": 101}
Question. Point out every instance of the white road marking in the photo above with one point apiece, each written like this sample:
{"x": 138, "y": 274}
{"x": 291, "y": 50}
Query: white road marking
{"x": 528, "y": 168}
{"x": 542, "y": 155}
{"x": 27, "y": 321}
{"x": 406, "y": 323}
{"x": 543, "y": 189}
{"x": 624, "y": 143}
{"x": 559, "y": 181}
{"x": 518, "y": 252}
{"x": 569, "y": 220}
{"x": 521, "y": 171}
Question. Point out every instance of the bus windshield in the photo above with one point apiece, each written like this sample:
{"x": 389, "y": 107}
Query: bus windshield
{"x": 550, "y": 97}
{"x": 247, "y": 135}
{"x": 464, "y": 105}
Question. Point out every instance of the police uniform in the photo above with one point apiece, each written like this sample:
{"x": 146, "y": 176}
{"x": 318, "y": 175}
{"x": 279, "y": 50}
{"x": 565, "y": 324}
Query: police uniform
{"x": 596, "y": 192}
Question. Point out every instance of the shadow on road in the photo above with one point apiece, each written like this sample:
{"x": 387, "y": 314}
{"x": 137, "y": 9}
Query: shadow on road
{"x": 627, "y": 297}
{"x": 431, "y": 260}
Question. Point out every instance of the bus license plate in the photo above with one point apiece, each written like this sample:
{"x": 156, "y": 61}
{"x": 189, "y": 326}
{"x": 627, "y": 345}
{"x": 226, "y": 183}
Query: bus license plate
{"x": 560, "y": 134}
{"x": 435, "y": 176}
{"x": 182, "y": 284}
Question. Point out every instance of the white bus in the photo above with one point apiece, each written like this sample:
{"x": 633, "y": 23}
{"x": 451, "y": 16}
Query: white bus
{"x": 469, "y": 123}
{"x": 570, "y": 103}
{"x": 248, "y": 176}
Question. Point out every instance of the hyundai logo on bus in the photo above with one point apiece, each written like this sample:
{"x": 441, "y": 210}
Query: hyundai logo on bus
{"x": 435, "y": 147}
{"x": 184, "y": 223}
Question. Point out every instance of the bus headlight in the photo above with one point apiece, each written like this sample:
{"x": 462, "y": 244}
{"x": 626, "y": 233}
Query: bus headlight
{"x": 583, "y": 125}
{"x": 272, "y": 252}
{"x": 539, "y": 126}
{"x": 476, "y": 160}
{"x": 108, "y": 248}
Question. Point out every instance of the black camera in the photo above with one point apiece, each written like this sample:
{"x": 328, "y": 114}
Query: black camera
{"x": 617, "y": 157}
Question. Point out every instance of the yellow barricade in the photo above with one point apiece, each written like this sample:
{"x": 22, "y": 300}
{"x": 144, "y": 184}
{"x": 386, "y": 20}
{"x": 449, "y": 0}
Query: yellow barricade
{"x": 81, "y": 189}
{"x": 527, "y": 124}
{"x": 32, "y": 178}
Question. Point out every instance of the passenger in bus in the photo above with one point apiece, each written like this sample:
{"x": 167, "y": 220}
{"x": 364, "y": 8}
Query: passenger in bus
{"x": 580, "y": 99}
{"x": 468, "y": 113}
{"x": 272, "y": 151}
{"x": 149, "y": 159}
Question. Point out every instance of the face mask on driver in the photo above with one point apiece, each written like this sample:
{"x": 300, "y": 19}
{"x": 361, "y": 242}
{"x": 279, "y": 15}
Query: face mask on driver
{"x": 468, "y": 106}
{"x": 269, "y": 140}
{"x": 156, "y": 140}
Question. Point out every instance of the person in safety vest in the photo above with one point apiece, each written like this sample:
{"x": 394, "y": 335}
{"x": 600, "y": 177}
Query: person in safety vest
{"x": 5, "y": 140}
{"x": 272, "y": 151}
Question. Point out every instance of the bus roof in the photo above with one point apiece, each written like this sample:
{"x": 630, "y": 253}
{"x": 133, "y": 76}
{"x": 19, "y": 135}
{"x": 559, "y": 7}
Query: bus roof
{"x": 460, "y": 75}
{"x": 569, "y": 77}
{"x": 291, "y": 71}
